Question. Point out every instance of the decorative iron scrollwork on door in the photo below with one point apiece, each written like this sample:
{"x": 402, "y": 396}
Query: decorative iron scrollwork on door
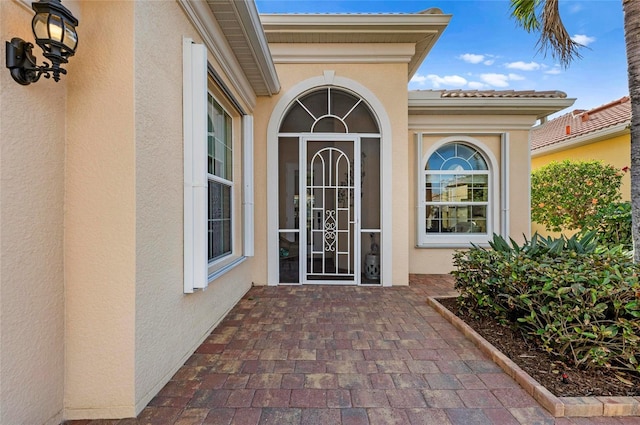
{"x": 330, "y": 230}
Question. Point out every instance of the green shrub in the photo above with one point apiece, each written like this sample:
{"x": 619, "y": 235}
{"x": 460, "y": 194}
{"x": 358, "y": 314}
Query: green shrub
{"x": 577, "y": 299}
{"x": 613, "y": 223}
{"x": 566, "y": 195}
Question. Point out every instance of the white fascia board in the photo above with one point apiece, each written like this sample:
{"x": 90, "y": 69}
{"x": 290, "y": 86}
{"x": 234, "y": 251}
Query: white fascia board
{"x": 342, "y": 53}
{"x": 312, "y": 22}
{"x": 540, "y": 107}
{"x": 585, "y": 139}
{"x": 213, "y": 37}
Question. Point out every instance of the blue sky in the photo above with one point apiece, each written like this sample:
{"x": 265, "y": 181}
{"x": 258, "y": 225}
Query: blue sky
{"x": 482, "y": 48}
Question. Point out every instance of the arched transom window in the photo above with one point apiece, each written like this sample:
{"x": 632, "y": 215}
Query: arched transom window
{"x": 329, "y": 110}
{"x": 456, "y": 182}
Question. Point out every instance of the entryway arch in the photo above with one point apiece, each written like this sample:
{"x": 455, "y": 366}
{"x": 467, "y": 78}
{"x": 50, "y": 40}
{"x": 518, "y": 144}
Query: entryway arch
{"x": 326, "y": 183}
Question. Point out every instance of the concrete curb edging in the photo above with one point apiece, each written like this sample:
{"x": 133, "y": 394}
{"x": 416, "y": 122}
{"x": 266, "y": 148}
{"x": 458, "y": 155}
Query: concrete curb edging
{"x": 557, "y": 406}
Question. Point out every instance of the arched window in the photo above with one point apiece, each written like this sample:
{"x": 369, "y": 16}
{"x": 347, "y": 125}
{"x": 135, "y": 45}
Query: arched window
{"x": 329, "y": 110}
{"x": 457, "y": 194}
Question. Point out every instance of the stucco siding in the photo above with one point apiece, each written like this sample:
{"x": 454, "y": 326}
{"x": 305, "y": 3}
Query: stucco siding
{"x": 100, "y": 217}
{"x": 169, "y": 325}
{"x": 32, "y": 131}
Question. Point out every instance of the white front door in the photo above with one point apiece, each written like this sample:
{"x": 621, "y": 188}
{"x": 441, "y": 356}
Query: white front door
{"x": 331, "y": 204}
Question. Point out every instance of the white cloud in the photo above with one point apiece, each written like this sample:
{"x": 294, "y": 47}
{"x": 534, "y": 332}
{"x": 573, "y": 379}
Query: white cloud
{"x": 583, "y": 39}
{"x": 515, "y": 77}
{"x": 554, "y": 71}
{"x": 495, "y": 80}
{"x": 477, "y": 85}
{"x": 472, "y": 58}
{"x": 447, "y": 80}
{"x": 419, "y": 79}
{"x": 523, "y": 66}
{"x": 489, "y": 62}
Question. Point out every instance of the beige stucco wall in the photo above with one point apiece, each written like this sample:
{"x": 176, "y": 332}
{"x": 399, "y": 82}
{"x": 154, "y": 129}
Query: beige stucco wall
{"x": 388, "y": 83}
{"x": 129, "y": 325}
{"x": 100, "y": 219}
{"x": 169, "y": 324}
{"x": 31, "y": 227}
{"x": 487, "y": 129}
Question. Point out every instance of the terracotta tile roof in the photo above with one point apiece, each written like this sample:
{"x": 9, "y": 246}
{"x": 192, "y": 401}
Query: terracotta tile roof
{"x": 580, "y": 122}
{"x": 499, "y": 93}
{"x": 504, "y": 93}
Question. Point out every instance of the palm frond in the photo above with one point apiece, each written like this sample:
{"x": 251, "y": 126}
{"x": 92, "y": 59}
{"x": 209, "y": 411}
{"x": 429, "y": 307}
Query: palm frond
{"x": 554, "y": 36}
{"x": 544, "y": 16}
{"x": 524, "y": 12}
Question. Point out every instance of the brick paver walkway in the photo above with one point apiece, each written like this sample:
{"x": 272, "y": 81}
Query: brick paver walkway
{"x": 342, "y": 355}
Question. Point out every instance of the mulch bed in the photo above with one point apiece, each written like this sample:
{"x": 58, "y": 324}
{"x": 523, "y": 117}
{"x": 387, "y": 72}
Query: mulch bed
{"x": 546, "y": 368}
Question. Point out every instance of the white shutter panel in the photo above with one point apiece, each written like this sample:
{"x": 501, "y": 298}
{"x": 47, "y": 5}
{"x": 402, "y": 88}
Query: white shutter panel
{"x": 195, "y": 165}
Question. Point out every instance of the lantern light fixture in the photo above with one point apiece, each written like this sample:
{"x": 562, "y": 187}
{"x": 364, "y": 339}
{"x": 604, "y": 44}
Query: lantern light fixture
{"x": 54, "y": 28}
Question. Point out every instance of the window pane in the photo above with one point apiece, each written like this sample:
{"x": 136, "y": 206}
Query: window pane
{"x": 329, "y": 125}
{"x": 219, "y": 141}
{"x": 360, "y": 120}
{"x": 288, "y": 183}
{"x": 317, "y": 102}
{"x": 464, "y": 218}
{"x": 297, "y": 120}
{"x": 219, "y": 237}
{"x": 289, "y": 254}
{"x": 480, "y": 188}
{"x": 479, "y": 218}
{"x": 456, "y": 156}
{"x": 370, "y": 184}
{"x": 433, "y": 192}
{"x": 434, "y": 219}
{"x": 435, "y": 162}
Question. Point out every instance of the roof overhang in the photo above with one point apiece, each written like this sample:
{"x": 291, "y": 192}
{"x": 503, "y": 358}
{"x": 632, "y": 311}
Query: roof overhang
{"x": 584, "y": 139}
{"x": 420, "y": 30}
{"x": 238, "y": 23}
{"x": 432, "y": 103}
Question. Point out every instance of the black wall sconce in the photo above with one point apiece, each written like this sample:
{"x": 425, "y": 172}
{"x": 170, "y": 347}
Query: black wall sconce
{"x": 55, "y": 30}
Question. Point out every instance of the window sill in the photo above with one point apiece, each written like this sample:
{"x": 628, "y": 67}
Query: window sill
{"x": 225, "y": 267}
{"x": 453, "y": 244}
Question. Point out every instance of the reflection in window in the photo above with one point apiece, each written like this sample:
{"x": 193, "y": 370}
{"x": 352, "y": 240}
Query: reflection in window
{"x": 456, "y": 190}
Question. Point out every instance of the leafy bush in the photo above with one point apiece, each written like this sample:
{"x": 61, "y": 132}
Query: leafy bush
{"x": 566, "y": 195}
{"x": 613, "y": 223}
{"x": 577, "y": 299}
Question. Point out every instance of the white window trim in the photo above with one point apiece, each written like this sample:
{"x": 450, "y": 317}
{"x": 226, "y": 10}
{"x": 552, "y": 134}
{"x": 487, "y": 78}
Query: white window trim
{"x": 437, "y": 240}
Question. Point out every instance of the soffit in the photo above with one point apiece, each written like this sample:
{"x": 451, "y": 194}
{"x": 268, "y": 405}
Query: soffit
{"x": 421, "y": 30}
{"x": 240, "y": 24}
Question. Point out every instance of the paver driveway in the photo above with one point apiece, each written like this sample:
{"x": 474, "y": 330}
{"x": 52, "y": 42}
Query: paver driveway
{"x": 342, "y": 355}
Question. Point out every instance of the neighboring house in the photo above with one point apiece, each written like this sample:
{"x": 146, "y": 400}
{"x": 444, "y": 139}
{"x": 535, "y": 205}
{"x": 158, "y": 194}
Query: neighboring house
{"x": 197, "y": 148}
{"x": 601, "y": 133}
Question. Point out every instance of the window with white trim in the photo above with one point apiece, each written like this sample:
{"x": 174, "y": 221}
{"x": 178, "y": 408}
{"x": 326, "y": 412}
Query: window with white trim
{"x": 219, "y": 180}
{"x": 218, "y": 173}
{"x": 456, "y": 195}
